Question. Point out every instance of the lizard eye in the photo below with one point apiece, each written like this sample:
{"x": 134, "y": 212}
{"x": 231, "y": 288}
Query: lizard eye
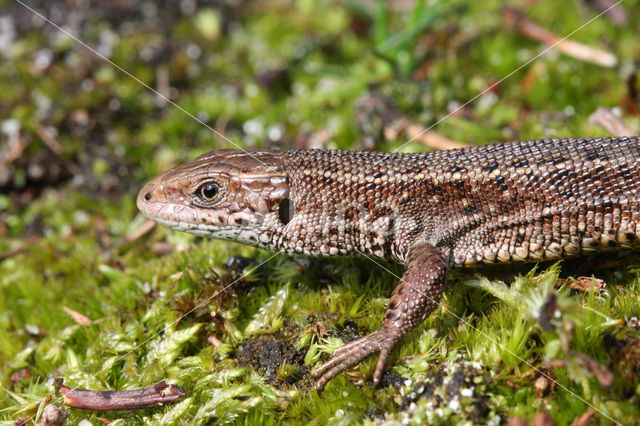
{"x": 207, "y": 192}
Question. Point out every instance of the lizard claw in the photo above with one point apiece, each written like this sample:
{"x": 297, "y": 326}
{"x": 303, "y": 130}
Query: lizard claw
{"x": 382, "y": 341}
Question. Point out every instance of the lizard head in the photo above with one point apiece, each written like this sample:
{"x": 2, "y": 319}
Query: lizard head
{"x": 227, "y": 194}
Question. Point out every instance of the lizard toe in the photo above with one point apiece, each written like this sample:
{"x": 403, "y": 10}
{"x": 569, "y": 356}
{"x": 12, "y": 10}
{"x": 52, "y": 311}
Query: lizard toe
{"x": 356, "y": 350}
{"x": 353, "y": 353}
{"x": 382, "y": 361}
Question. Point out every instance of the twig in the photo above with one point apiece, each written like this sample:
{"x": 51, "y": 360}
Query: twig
{"x": 568, "y": 47}
{"x": 584, "y": 419}
{"x": 214, "y": 341}
{"x": 430, "y": 138}
{"x": 137, "y": 233}
{"x": 602, "y": 373}
{"x": 605, "y": 118}
{"x": 542, "y": 419}
{"x": 11, "y": 253}
{"x": 162, "y": 86}
{"x": 17, "y": 146}
{"x": 317, "y": 140}
{"x": 378, "y": 116}
{"x": 56, "y": 148}
{"x": 49, "y": 140}
{"x": 157, "y": 395}
{"x": 19, "y": 250}
{"x": 140, "y": 232}
{"x": 77, "y": 316}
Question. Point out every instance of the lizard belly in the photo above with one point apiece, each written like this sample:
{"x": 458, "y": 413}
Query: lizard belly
{"x": 566, "y": 233}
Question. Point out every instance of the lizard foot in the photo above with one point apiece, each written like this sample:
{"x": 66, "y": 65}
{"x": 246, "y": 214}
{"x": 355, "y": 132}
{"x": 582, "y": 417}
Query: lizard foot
{"x": 381, "y": 340}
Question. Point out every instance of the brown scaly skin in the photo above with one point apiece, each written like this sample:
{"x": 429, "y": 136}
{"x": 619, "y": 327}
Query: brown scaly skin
{"x": 516, "y": 202}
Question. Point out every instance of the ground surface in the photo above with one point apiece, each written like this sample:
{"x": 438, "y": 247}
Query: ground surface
{"x": 87, "y": 297}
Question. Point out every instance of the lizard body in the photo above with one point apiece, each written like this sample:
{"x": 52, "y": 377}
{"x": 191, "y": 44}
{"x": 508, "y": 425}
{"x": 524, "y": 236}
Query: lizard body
{"x": 523, "y": 201}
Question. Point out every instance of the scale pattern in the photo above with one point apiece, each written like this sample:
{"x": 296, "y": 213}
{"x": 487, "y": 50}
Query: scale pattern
{"x": 523, "y": 201}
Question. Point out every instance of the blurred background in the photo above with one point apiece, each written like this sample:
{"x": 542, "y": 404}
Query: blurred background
{"x": 78, "y": 137}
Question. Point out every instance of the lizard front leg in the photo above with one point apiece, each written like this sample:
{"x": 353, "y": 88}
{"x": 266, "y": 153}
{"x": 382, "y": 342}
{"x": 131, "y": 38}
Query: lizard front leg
{"x": 417, "y": 294}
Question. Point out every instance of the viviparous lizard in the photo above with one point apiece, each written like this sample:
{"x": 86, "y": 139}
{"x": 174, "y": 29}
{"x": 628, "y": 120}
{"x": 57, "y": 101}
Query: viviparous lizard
{"x": 523, "y": 201}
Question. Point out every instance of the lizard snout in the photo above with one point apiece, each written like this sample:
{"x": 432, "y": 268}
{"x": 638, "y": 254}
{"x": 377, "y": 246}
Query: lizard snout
{"x": 149, "y": 196}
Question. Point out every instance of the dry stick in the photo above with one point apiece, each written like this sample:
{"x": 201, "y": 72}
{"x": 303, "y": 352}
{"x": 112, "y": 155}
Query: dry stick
{"x": 77, "y": 317}
{"x": 11, "y": 253}
{"x": 395, "y": 123}
{"x": 163, "y": 84}
{"x": 56, "y": 148}
{"x": 418, "y": 133}
{"x": 16, "y": 148}
{"x": 19, "y": 250}
{"x": 604, "y": 117}
{"x": 141, "y": 231}
{"x": 542, "y": 419}
{"x": 136, "y": 234}
{"x": 568, "y": 47}
{"x": 157, "y": 395}
{"x": 602, "y": 373}
{"x": 415, "y": 131}
{"x": 584, "y": 419}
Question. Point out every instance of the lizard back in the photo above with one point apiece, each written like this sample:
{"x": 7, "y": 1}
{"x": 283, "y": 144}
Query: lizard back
{"x": 515, "y": 202}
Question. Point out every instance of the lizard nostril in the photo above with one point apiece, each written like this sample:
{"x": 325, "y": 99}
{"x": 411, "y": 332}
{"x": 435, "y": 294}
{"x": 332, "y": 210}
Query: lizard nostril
{"x": 147, "y": 196}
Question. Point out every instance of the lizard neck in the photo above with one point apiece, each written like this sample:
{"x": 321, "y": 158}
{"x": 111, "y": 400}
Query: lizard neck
{"x": 350, "y": 203}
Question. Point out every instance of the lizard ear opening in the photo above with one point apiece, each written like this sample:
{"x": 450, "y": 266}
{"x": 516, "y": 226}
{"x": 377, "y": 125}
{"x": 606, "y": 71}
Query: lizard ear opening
{"x": 285, "y": 211}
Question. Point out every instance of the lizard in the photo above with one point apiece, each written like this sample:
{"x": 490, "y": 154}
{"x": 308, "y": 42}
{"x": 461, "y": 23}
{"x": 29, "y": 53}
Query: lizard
{"x": 523, "y": 201}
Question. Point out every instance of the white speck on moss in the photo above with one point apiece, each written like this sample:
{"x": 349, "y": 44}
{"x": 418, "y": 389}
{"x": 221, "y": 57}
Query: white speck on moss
{"x": 87, "y": 85}
{"x": 43, "y": 58}
{"x": 114, "y": 104}
{"x": 275, "y": 132}
{"x": 466, "y": 392}
{"x": 10, "y": 127}
{"x": 32, "y": 329}
{"x": 81, "y": 217}
{"x": 454, "y": 404}
{"x": 193, "y": 51}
